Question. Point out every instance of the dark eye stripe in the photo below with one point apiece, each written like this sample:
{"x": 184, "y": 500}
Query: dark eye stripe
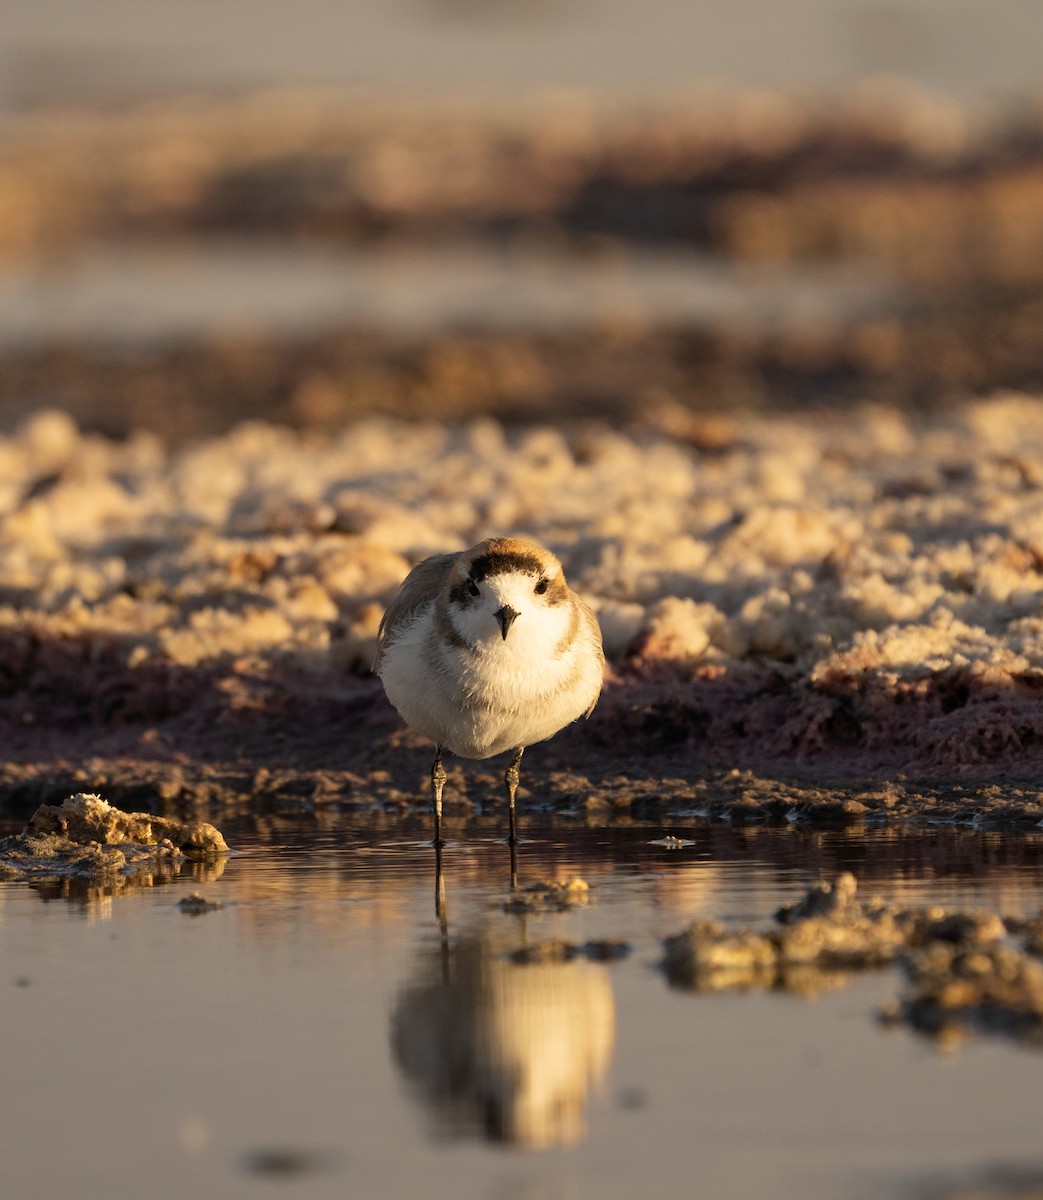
{"x": 500, "y": 563}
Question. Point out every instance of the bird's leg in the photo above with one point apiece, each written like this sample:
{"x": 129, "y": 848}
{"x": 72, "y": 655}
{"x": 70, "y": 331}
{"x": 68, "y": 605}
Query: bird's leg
{"x": 511, "y": 780}
{"x": 440, "y": 908}
{"x": 514, "y": 865}
{"x": 442, "y": 912}
{"x": 438, "y": 778}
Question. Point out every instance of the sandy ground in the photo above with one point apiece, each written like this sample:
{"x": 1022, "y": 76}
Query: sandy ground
{"x": 816, "y": 558}
{"x": 853, "y": 600}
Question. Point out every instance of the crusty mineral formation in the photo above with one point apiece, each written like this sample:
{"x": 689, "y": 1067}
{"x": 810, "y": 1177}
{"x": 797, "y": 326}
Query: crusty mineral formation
{"x": 86, "y": 836}
{"x": 967, "y": 971}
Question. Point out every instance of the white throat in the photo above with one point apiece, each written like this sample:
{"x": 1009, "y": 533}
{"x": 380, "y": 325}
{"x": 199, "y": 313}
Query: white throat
{"x": 535, "y": 632}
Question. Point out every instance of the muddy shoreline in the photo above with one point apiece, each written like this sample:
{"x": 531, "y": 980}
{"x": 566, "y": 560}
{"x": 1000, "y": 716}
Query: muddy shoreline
{"x": 342, "y": 747}
{"x": 848, "y": 612}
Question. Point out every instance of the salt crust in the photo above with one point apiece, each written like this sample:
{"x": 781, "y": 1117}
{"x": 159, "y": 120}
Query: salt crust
{"x": 86, "y": 836}
{"x": 864, "y": 541}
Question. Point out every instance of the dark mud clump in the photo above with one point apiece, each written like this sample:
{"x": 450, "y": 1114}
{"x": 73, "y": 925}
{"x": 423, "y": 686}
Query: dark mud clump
{"x": 967, "y": 971}
{"x": 956, "y": 989}
{"x": 197, "y": 905}
{"x": 557, "y": 950}
{"x": 553, "y": 896}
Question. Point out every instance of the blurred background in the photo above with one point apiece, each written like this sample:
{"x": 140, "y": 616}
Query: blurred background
{"x": 114, "y": 48}
{"x": 531, "y": 208}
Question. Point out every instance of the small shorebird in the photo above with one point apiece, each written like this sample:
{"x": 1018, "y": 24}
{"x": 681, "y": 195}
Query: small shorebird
{"x": 488, "y": 650}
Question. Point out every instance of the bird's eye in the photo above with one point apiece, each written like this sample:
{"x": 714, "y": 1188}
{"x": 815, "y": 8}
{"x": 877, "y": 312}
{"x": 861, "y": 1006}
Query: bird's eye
{"x": 541, "y": 587}
{"x": 472, "y": 587}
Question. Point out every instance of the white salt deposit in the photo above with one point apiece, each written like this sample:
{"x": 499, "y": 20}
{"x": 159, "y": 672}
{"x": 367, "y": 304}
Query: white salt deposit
{"x": 829, "y": 545}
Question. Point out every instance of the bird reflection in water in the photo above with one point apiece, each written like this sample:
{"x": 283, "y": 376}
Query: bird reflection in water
{"x": 507, "y": 1049}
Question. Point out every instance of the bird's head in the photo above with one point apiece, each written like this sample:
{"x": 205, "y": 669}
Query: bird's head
{"x": 509, "y": 591}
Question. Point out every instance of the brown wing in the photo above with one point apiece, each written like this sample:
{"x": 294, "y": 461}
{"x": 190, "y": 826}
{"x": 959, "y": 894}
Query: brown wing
{"x": 419, "y": 587}
{"x": 586, "y": 614}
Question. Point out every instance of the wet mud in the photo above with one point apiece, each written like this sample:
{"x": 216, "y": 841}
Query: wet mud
{"x": 319, "y": 753}
{"x": 967, "y": 972}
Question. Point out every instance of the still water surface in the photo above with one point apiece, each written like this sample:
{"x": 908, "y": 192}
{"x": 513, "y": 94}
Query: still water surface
{"x": 131, "y": 295}
{"x": 324, "y": 1033}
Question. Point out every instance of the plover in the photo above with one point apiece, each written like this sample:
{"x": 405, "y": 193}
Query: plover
{"x": 486, "y": 651}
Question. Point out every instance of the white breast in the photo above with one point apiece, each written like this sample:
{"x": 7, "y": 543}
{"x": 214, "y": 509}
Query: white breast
{"x": 500, "y": 694}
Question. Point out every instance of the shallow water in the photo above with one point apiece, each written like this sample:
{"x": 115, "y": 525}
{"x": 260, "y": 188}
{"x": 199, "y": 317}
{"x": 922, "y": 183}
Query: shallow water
{"x": 141, "y": 293}
{"x": 326, "y": 1034}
